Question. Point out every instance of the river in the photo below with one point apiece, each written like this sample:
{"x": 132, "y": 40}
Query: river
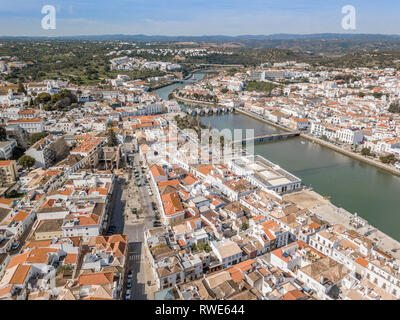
{"x": 372, "y": 193}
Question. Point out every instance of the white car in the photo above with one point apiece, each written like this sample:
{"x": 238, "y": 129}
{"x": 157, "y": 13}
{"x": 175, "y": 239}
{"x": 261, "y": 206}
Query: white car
{"x": 128, "y": 295}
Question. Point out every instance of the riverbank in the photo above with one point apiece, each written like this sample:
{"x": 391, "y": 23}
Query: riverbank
{"x": 350, "y": 183}
{"x": 257, "y": 117}
{"x": 323, "y": 208}
{"x": 329, "y": 145}
{"x": 162, "y": 85}
{"x": 353, "y": 155}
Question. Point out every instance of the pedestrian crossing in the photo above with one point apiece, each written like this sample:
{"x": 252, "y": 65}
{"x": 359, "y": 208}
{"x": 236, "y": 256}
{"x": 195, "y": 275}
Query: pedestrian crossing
{"x": 135, "y": 257}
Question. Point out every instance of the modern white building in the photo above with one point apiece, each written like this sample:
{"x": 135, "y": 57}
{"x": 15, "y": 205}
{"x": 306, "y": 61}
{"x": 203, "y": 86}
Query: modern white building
{"x": 265, "y": 174}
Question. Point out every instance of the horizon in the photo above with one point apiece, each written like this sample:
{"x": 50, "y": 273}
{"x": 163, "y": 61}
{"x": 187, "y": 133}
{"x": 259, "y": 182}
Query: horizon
{"x": 196, "y": 18}
{"x": 209, "y": 35}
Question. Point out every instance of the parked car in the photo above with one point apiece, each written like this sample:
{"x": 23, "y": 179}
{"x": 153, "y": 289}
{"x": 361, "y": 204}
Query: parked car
{"x": 15, "y": 245}
{"x": 111, "y": 230}
{"x": 156, "y": 224}
{"x": 130, "y": 275}
{"x": 129, "y": 284}
{"x": 128, "y": 295}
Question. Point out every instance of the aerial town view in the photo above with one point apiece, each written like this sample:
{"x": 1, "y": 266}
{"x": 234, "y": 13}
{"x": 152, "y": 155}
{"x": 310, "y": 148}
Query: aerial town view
{"x": 154, "y": 151}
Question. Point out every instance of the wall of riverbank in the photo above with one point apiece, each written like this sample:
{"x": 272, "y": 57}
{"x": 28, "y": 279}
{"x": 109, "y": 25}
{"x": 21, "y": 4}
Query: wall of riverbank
{"x": 353, "y": 155}
{"x": 329, "y": 145}
{"x": 257, "y": 117}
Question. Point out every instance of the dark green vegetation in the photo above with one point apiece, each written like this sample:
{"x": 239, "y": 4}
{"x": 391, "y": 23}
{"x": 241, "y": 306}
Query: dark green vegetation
{"x": 82, "y": 62}
{"x": 189, "y": 122}
{"x": 3, "y": 134}
{"x": 14, "y": 195}
{"x": 260, "y": 86}
{"x": 59, "y": 101}
{"x": 85, "y": 62}
{"x": 365, "y": 151}
{"x": 394, "y": 107}
{"x": 201, "y": 246}
{"x": 26, "y": 161}
{"x": 112, "y": 140}
{"x": 34, "y": 137}
{"x": 389, "y": 159}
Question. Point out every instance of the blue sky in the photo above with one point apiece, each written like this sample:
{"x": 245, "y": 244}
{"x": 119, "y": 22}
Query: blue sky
{"x": 196, "y": 17}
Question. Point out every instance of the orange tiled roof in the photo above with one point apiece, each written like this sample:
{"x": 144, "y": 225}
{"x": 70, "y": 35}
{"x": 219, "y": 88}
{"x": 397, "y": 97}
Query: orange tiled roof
{"x": 20, "y": 274}
{"x": 172, "y": 203}
{"x": 95, "y": 278}
{"x": 21, "y": 216}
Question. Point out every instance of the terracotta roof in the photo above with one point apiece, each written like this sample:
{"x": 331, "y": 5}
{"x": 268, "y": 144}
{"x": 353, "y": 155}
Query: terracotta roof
{"x": 95, "y": 278}
{"x": 21, "y": 216}
{"x": 20, "y": 274}
{"x": 157, "y": 171}
{"x": 294, "y": 295}
{"x": 172, "y": 203}
{"x": 361, "y": 261}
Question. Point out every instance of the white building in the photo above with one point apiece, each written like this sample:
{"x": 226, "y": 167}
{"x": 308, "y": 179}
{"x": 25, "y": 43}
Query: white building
{"x": 30, "y": 125}
{"x": 6, "y": 149}
{"x": 227, "y": 252}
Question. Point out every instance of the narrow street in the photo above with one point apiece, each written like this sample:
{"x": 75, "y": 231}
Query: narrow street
{"x": 123, "y": 221}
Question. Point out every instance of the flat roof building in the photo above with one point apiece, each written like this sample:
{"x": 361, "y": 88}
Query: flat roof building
{"x": 265, "y": 174}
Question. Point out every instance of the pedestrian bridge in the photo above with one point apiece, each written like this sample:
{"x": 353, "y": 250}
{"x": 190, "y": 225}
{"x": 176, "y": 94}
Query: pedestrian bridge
{"x": 270, "y": 137}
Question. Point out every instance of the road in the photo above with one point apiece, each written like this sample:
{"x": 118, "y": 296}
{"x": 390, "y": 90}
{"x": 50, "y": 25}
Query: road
{"x": 118, "y": 208}
{"x": 138, "y": 264}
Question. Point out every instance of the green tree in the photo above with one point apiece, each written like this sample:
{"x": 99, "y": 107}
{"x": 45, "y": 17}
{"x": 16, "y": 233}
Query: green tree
{"x": 324, "y": 137}
{"x": 260, "y": 86}
{"x": 21, "y": 87}
{"x": 42, "y": 98}
{"x": 17, "y": 153}
{"x": 394, "y": 107}
{"x": 245, "y": 226}
{"x": 34, "y": 137}
{"x": 388, "y": 159}
{"x": 365, "y": 151}
{"x": 201, "y": 246}
{"x": 112, "y": 140}
{"x": 194, "y": 247}
{"x": 3, "y": 134}
{"x": 26, "y": 161}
